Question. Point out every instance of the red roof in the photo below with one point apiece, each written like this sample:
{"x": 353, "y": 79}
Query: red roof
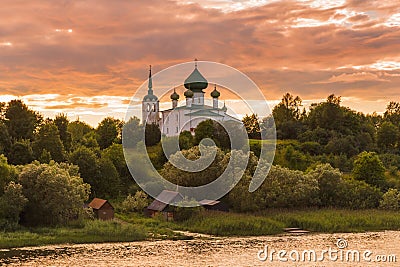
{"x": 97, "y": 203}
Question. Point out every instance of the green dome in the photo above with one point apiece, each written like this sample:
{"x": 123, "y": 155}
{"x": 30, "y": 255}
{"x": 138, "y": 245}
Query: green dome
{"x": 215, "y": 93}
{"x": 196, "y": 81}
{"x": 174, "y": 96}
{"x": 188, "y": 93}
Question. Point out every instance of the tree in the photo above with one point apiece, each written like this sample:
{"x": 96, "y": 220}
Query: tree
{"x": 288, "y": 117}
{"x": 136, "y": 203}
{"x": 213, "y": 130}
{"x": 251, "y": 123}
{"x": 86, "y": 160}
{"x": 5, "y": 139}
{"x": 61, "y": 121}
{"x": 388, "y": 136}
{"x": 78, "y": 130}
{"x": 369, "y": 168}
{"x": 20, "y": 120}
{"x": 185, "y": 178}
{"x": 329, "y": 183}
{"x": 5, "y": 173}
{"x": 152, "y": 135}
{"x": 132, "y": 132}
{"x": 12, "y": 202}
{"x": 186, "y": 140}
{"x": 108, "y": 132}
{"x": 20, "y": 153}
{"x": 48, "y": 138}
{"x": 392, "y": 113}
{"x": 55, "y": 192}
{"x": 107, "y": 183}
{"x": 390, "y": 200}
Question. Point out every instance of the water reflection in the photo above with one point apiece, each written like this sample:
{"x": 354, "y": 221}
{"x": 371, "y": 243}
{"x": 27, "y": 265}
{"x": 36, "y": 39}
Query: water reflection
{"x": 197, "y": 252}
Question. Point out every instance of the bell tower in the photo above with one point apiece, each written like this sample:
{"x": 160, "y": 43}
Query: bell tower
{"x": 150, "y": 104}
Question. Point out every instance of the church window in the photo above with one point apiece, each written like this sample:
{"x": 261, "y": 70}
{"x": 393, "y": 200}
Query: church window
{"x": 148, "y": 107}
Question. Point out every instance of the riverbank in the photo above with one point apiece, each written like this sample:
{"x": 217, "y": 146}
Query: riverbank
{"x": 136, "y": 227}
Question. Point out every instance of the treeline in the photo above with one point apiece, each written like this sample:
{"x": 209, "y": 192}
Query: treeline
{"x": 330, "y": 156}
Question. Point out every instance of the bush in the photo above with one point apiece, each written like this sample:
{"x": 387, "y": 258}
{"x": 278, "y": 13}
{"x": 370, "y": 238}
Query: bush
{"x": 390, "y": 200}
{"x": 137, "y": 203}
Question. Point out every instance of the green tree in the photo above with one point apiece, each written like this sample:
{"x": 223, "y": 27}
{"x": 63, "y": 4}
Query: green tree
{"x": 78, "y": 130}
{"x": 213, "y": 130}
{"x": 48, "y": 138}
{"x": 136, "y": 203}
{"x": 186, "y": 140}
{"x": 86, "y": 160}
{"x": 390, "y": 200}
{"x": 329, "y": 183}
{"x": 12, "y": 202}
{"x": 132, "y": 132}
{"x": 55, "y": 192}
{"x": 152, "y": 135}
{"x": 107, "y": 183}
{"x": 108, "y": 132}
{"x": 388, "y": 136}
{"x": 20, "y": 153}
{"x": 5, "y": 139}
{"x": 251, "y": 123}
{"x": 392, "y": 113}
{"x": 185, "y": 178}
{"x": 61, "y": 121}
{"x": 369, "y": 168}
{"x": 5, "y": 173}
{"x": 20, "y": 120}
{"x": 288, "y": 117}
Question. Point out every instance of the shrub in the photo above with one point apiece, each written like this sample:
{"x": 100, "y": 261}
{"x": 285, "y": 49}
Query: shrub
{"x": 390, "y": 200}
{"x": 135, "y": 203}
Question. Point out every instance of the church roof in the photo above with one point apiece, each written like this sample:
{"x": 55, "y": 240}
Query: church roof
{"x": 204, "y": 112}
{"x": 196, "y": 81}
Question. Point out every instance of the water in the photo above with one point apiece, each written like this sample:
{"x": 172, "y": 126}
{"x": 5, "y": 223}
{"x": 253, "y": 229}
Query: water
{"x": 206, "y": 251}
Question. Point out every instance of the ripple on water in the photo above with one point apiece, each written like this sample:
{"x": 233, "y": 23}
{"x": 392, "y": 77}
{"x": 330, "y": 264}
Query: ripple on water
{"x": 235, "y": 251}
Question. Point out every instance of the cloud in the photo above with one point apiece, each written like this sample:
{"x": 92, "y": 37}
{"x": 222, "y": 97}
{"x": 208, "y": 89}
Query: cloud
{"x": 90, "y": 48}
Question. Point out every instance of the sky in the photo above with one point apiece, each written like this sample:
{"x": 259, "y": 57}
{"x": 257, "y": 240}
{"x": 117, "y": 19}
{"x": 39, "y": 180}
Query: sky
{"x": 87, "y": 58}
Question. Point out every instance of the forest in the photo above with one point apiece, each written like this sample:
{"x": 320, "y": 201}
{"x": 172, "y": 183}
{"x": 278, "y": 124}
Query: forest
{"x": 326, "y": 156}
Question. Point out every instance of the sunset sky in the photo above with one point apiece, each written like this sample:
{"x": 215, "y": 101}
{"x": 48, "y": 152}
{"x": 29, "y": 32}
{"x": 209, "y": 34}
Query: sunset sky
{"x": 87, "y": 58}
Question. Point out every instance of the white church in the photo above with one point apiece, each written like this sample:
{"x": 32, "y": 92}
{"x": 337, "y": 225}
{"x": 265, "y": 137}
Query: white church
{"x": 184, "y": 118}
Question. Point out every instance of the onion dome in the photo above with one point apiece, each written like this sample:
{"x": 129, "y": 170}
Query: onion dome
{"x": 196, "y": 81}
{"x": 174, "y": 95}
{"x": 215, "y": 93}
{"x": 188, "y": 93}
{"x": 224, "y": 108}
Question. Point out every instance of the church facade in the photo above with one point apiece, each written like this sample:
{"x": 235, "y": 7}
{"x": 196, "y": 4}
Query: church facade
{"x": 186, "y": 117}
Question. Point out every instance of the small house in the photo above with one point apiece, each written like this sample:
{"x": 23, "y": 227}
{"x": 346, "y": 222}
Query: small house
{"x": 102, "y": 209}
{"x": 214, "y": 205}
{"x": 161, "y": 205}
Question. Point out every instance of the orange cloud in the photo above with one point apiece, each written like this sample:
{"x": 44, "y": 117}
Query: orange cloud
{"x": 90, "y": 48}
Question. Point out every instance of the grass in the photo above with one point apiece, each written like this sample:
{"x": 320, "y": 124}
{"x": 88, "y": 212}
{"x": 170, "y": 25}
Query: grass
{"x": 273, "y": 222}
{"x": 92, "y": 232}
{"x": 136, "y": 227}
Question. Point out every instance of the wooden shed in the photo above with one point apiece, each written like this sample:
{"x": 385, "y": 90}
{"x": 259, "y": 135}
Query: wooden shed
{"x": 161, "y": 205}
{"x": 102, "y": 209}
{"x": 214, "y": 205}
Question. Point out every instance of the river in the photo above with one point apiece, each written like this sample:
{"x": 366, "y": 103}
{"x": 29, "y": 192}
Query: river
{"x": 217, "y": 251}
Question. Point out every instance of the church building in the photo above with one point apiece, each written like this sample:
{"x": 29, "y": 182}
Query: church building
{"x": 184, "y": 118}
